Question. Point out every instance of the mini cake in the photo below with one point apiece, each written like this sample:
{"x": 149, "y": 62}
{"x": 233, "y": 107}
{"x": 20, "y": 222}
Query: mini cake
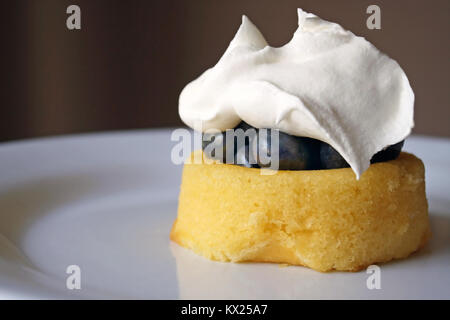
{"x": 337, "y": 193}
{"x": 322, "y": 219}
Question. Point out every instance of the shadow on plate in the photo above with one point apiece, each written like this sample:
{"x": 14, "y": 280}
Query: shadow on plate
{"x": 200, "y": 278}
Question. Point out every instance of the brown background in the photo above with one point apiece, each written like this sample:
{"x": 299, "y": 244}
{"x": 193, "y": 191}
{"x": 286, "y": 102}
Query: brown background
{"x": 127, "y": 65}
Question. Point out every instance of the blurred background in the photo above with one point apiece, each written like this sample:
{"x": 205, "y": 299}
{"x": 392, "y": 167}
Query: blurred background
{"x": 127, "y": 65}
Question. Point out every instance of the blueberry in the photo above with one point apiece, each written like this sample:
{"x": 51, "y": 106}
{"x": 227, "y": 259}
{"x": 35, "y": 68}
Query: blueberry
{"x": 295, "y": 153}
{"x": 243, "y": 125}
{"x": 219, "y": 140}
{"x": 390, "y": 153}
{"x": 216, "y": 140}
{"x": 330, "y": 158}
{"x": 244, "y": 158}
{"x": 239, "y": 147}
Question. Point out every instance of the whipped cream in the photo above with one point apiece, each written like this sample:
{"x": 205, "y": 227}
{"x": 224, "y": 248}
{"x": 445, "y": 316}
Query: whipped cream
{"x": 326, "y": 83}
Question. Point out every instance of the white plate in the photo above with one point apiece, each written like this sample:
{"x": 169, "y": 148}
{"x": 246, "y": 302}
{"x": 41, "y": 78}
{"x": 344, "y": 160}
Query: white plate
{"x": 106, "y": 202}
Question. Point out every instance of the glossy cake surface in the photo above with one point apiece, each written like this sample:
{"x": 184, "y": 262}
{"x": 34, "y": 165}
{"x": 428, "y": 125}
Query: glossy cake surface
{"x": 323, "y": 219}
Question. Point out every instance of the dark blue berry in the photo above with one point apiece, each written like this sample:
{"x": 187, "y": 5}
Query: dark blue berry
{"x": 244, "y": 126}
{"x": 219, "y": 140}
{"x": 330, "y": 158}
{"x": 245, "y": 158}
{"x": 390, "y": 153}
{"x": 216, "y": 141}
{"x": 295, "y": 153}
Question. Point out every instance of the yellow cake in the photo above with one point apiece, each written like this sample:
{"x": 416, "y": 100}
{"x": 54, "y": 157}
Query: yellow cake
{"x": 322, "y": 219}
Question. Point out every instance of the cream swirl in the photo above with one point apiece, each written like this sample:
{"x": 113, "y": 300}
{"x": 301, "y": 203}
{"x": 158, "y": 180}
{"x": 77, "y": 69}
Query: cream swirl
{"x": 326, "y": 83}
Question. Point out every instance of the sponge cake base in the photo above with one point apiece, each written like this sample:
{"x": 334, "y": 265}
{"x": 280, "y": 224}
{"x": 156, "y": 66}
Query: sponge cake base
{"x": 322, "y": 219}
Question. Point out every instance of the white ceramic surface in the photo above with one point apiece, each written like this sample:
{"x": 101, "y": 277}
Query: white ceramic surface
{"x": 106, "y": 202}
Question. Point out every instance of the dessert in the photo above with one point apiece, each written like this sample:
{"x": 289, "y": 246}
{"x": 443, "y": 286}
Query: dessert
{"x": 342, "y": 195}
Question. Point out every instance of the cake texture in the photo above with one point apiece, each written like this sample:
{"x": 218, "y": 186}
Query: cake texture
{"x": 322, "y": 219}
